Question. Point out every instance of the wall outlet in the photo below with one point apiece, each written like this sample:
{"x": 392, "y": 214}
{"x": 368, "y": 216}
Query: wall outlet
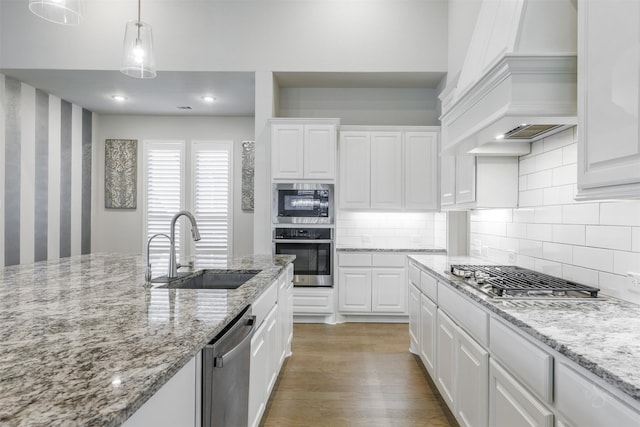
{"x": 512, "y": 257}
{"x": 635, "y": 278}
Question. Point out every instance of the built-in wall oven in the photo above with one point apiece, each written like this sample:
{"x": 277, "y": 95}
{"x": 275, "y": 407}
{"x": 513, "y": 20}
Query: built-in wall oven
{"x": 302, "y": 203}
{"x": 313, "y": 248}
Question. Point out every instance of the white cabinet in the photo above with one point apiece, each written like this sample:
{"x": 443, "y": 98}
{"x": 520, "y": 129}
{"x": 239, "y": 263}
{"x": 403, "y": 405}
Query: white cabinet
{"x": 462, "y": 372}
{"x": 414, "y": 318}
{"x": 608, "y": 91}
{"x": 175, "y": 404}
{"x": 372, "y": 283}
{"x": 469, "y": 181}
{"x": 303, "y": 150}
{"x": 258, "y": 374}
{"x": 580, "y": 401}
{"x": 285, "y": 313}
{"x": 388, "y": 169}
{"x": 428, "y": 334}
{"x": 510, "y": 404}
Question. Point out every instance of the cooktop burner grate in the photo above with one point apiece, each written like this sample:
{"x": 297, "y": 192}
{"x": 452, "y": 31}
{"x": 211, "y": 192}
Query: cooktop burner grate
{"x": 509, "y": 278}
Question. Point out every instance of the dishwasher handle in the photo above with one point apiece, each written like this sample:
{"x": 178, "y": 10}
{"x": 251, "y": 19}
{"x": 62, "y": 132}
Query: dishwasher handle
{"x": 218, "y": 361}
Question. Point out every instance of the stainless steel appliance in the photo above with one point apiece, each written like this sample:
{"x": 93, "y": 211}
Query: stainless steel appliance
{"x": 510, "y": 281}
{"x": 302, "y": 203}
{"x": 225, "y": 374}
{"x": 313, "y": 248}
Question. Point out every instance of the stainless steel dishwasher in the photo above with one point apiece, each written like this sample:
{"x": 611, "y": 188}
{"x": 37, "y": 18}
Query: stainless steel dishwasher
{"x": 225, "y": 374}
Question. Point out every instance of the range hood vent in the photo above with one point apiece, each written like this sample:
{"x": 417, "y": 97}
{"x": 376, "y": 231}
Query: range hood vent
{"x": 518, "y": 82}
{"x": 529, "y": 132}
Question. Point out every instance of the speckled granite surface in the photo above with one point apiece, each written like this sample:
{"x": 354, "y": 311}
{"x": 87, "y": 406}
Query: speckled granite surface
{"x": 414, "y": 250}
{"x": 601, "y": 336}
{"x": 85, "y": 343}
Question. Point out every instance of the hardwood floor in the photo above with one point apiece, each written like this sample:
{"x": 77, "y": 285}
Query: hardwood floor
{"x": 354, "y": 374}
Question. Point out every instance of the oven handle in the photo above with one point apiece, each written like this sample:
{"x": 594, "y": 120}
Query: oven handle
{"x": 302, "y": 241}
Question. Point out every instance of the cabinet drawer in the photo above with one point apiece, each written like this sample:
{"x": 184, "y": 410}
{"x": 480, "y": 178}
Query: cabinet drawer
{"x": 389, "y": 260}
{"x": 312, "y": 301}
{"x": 262, "y": 306}
{"x": 527, "y": 362}
{"x": 467, "y": 314}
{"x": 581, "y": 402}
{"x": 429, "y": 286}
{"x": 414, "y": 275}
{"x": 355, "y": 260}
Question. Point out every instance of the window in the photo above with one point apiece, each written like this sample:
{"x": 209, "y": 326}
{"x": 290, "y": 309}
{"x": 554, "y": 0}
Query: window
{"x": 193, "y": 176}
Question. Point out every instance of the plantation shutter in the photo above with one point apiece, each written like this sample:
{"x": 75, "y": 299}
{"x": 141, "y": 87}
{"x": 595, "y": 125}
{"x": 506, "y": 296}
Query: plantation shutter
{"x": 163, "y": 197}
{"x": 211, "y": 199}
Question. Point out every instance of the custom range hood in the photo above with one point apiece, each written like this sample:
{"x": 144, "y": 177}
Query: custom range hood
{"x": 518, "y": 80}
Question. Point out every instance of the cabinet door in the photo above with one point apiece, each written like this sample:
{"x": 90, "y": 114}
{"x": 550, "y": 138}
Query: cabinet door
{"x": 609, "y": 87}
{"x": 355, "y": 167}
{"x": 510, "y": 404}
{"x": 258, "y": 372}
{"x": 446, "y": 359}
{"x": 389, "y": 290}
{"x": 287, "y": 151}
{"x": 472, "y": 382}
{"x": 386, "y": 170}
{"x": 414, "y": 318}
{"x": 465, "y": 182}
{"x": 421, "y": 170}
{"x": 354, "y": 294}
{"x": 428, "y": 334}
{"x": 447, "y": 180}
{"x": 273, "y": 339}
{"x": 320, "y": 151}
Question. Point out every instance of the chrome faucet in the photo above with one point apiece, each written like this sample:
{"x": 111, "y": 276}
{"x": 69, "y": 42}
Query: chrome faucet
{"x": 173, "y": 265}
{"x": 147, "y": 272}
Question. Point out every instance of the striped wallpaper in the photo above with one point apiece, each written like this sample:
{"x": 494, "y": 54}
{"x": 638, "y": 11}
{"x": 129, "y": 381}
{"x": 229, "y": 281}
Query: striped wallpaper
{"x": 45, "y": 184}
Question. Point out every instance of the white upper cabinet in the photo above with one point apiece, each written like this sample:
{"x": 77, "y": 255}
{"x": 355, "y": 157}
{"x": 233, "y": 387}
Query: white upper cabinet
{"x": 301, "y": 150}
{"x": 609, "y": 89}
{"x": 469, "y": 182}
{"x": 394, "y": 169}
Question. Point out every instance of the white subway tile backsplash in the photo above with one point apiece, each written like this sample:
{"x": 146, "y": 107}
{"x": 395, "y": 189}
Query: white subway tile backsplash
{"x": 523, "y": 215}
{"x": 540, "y": 179}
{"x": 549, "y": 160}
{"x": 548, "y": 267}
{"x": 548, "y": 214}
{"x": 531, "y": 198}
{"x": 624, "y": 262}
{"x": 620, "y": 213}
{"x": 565, "y": 175}
{"x": 584, "y": 213}
{"x": 560, "y": 139}
{"x": 525, "y": 261}
{"x": 557, "y": 252}
{"x": 519, "y": 230}
{"x": 598, "y": 259}
{"x": 619, "y": 286}
{"x": 569, "y": 234}
{"x": 582, "y": 275}
{"x": 527, "y": 166}
{"x": 610, "y": 237}
{"x": 539, "y": 232}
{"x": 570, "y": 154}
{"x": 494, "y": 228}
{"x": 531, "y": 248}
{"x": 522, "y": 183}
{"x": 560, "y": 195}
{"x": 635, "y": 239}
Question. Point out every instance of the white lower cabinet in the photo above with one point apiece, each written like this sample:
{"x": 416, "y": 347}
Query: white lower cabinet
{"x": 258, "y": 375}
{"x": 414, "y": 318}
{"x": 510, "y": 404}
{"x": 428, "y": 333}
{"x": 372, "y": 283}
{"x": 462, "y": 372}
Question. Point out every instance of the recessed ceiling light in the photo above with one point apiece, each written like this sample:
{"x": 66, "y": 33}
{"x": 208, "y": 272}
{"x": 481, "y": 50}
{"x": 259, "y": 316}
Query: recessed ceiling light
{"x": 119, "y": 98}
{"x": 208, "y": 98}
{"x": 500, "y": 136}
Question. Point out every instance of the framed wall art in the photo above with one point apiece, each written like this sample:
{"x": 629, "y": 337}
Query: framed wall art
{"x": 120, "y": 173}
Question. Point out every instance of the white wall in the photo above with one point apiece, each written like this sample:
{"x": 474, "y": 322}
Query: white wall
{"x": 363, "y": 106}
{"x": 121, "y": 230}
{"x": 241, "y": 35}
{"x": 594, "y": 243}
{"x": 462, "y": 21}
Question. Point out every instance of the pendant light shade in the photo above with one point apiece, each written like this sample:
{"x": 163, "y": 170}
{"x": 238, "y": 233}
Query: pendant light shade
{"x": 137, "y": 55}
{"x": 66, "y": 12}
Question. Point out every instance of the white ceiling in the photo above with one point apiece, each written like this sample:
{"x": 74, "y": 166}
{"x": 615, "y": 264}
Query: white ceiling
{"x": 234, "y": 91}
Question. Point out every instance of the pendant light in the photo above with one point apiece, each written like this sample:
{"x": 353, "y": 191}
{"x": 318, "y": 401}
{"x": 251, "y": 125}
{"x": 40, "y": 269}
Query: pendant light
{"x": 65, "y": 12}
{"x": 137, "y": 55}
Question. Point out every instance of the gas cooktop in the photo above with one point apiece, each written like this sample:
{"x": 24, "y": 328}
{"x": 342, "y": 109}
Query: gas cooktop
{"x": 510, "y": 281}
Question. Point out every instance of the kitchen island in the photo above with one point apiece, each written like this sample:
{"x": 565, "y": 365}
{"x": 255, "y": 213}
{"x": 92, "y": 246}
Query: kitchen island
{"x": 573, "y": 356}
{"x": 86, "y": 342}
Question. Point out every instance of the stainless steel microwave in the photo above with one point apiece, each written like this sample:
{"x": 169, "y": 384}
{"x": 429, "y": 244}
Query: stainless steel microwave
{"x": 302, "y": 203}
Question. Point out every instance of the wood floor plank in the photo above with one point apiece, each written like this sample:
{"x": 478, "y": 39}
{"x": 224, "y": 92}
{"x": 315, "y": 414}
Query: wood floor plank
{"x": 354, "y": 375}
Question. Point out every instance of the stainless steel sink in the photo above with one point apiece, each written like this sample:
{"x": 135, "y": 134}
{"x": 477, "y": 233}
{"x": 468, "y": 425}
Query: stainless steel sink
{"x": 212, "y": 279}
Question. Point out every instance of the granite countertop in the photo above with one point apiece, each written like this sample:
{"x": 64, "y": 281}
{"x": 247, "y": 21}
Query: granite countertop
{"x": 602, "y": 336}
{"x": 413, "y": 250}
{"x": 86, "y": 343}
